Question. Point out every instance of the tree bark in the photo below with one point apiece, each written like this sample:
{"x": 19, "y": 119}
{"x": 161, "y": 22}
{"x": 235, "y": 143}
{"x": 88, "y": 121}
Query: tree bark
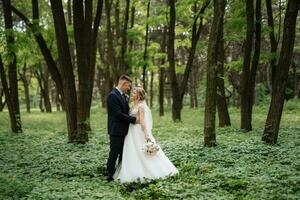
{"x": 256, "y": 56}
{"x": 246, "y": 95}
{"x": 110, "y": 42}
{"x": 273, "y": 41}
{"x": 178, "y": 88}
{"x": 151, "y": 89}
{"x": 70, "y": 22}
{"x": 131, "y": 26}
{"x": 272, "y": 125}
{"x": 42, "y": 76}
{"x": 145, "y": 56}
{"x": 85, "y": 39}
{"x": 224, "y": 119}
{"x": 162, "y": 75}
{"x": 13, "y": 118}
{"x": 67, "y": 69}
{"x": 2, "y": 103}
{"x": 26, "y": 84}
{"x": 12, "y": 67}
{"x": 123, "y": 62}
{"x": 215, "y": 37}
{"x": 176, "y": 106}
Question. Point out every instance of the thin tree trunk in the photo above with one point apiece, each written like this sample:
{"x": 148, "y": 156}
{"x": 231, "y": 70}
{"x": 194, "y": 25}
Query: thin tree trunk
{"x": 176, "y": 105}
{"x": 12, "y": 68}
{"x": 151, "y": 89}
{"x": 57, "y": 101}
{"x": 110, "y": 42}
{"x": 41, "y": 105}
{"x": 123, "y": 63}
{"x": 70, "y": 22}
{"x": 47, "y": 102}
{"x": 224, "y": 119}
{"x": 246, "y": 95}
{"x": 255, "y": 60}
{"x": 178, "y": 88}
{"x": 131, "y": 25}
{"x": 190, "y": 90}
{"x": 272, "y": 125}
{"x": 295, "y": 80}
{"x": 212, "y": 66}
{"x": 23, "y": 78}
{"x": 273, "y": 41}
{"x": 162, "y": 76}
{"x": 145, "y": 56}
{"x": 42, "y": 77}
{"x": 2, "y": 103}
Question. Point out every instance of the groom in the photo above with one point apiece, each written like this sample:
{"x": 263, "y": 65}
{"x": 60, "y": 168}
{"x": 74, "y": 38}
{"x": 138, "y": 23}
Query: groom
{"x": 118, "y": 122}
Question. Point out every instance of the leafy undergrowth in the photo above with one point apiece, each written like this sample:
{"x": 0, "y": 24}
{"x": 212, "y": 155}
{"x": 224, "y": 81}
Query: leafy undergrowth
{"x": 39, "y": 164}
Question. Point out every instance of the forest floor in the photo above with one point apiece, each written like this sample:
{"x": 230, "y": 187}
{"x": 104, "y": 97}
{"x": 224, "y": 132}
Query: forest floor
{"x": 40, "y": 164}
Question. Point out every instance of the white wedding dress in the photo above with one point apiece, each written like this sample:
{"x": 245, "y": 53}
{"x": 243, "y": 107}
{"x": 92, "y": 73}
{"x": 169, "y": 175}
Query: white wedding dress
{"x": 136, "y": 165}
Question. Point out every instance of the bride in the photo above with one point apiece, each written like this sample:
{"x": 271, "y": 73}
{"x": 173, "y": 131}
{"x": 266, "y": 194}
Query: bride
{"x": 136, "y": 165}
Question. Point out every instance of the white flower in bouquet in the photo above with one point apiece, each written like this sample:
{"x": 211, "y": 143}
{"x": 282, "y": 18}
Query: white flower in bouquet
{"x": 150, "y": 147}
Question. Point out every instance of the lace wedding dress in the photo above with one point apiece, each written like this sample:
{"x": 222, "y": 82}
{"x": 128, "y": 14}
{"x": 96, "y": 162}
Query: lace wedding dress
{"x": 136, "y": 165}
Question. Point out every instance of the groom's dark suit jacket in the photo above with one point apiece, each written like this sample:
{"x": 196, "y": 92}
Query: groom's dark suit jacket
{"x": 118, "y": 114}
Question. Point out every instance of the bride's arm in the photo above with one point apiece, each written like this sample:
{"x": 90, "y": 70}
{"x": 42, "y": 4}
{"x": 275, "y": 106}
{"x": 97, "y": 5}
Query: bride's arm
{"x": 141, "y": 114}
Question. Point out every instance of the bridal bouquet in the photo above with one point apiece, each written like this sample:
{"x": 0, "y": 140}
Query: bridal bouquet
{"x": 150, "y": 147}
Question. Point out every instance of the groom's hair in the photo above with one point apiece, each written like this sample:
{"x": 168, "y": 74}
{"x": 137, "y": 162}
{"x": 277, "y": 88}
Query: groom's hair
{"x": 125, "y": 78}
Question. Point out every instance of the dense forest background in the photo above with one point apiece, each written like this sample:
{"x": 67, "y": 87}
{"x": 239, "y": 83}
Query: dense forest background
{"x": 225, "y": 73}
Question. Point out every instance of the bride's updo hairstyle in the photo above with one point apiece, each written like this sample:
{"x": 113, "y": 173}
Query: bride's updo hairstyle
{"x": 141, "y": 93}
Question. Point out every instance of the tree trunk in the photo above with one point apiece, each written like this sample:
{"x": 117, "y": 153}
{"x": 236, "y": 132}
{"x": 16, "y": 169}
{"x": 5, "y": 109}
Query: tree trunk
{"x": 270, "y": 134}
{"x": 85, "y": 39}
{"x": 145, "y": 56}
{"x": 23, "y": 78}
{"x": 41, "y": 105}
{"x": 273, "y": 41}
{"x": 255, "y": 60}
{"x": 178, "y": 89}
{"x": 161, "y": 90}
{"x": 193, "y": 87}
{"x": 43, "y": 79}
{"x": 224, "y": 119}
{"x": 46, "y": 95}
{"x": 57, "y": 101}
{"x": 176, "y": 105}
{"x": 2, "y": 103}
{"x": 245, "y": 96}
{"x": 123, "y": 63}
{"x": 67, "y": 69}
{"x": 215, "y": 37}
{"x": 12, "y": 67}
{"x": 162, "y": 76}
{"x": 151, "y": 89}
{"x": 70, "y": 22}
{"x": 110, "y": 42}
{"x": 131, "y": 26}
{"x": 13, "y": 118}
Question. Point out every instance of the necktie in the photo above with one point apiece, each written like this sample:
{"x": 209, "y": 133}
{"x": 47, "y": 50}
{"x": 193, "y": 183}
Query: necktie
{"x": 124, "y": 97}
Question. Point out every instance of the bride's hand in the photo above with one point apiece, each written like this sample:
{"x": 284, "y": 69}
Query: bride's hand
{"x": 147, "y": 137}
{"x": 137, "y": 120}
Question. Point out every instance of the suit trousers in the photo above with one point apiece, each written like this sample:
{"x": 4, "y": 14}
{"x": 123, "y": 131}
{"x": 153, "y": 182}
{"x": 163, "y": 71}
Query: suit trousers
{"x": 116, "y": 151}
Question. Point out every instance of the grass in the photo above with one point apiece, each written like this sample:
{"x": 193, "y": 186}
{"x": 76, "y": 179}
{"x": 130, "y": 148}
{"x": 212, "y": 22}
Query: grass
{"x": 39, "y": 164}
